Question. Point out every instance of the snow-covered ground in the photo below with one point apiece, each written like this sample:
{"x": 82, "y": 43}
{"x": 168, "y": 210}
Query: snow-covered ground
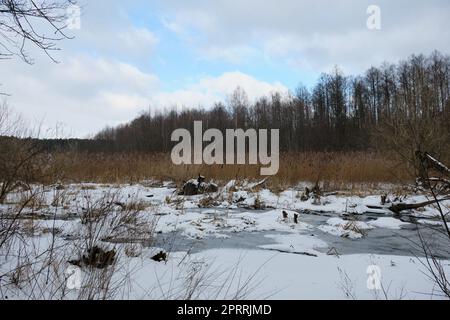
{"x": 321, "y": 248}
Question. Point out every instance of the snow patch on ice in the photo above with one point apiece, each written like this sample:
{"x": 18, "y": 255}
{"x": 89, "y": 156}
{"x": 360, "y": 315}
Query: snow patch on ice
{"x": 295, "y": 243}
{"x": 388, "y": 223}
{"x": 346, "y": 229}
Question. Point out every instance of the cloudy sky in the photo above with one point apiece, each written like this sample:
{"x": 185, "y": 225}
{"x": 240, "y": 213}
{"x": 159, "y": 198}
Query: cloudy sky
{"x": 137, "y": 55}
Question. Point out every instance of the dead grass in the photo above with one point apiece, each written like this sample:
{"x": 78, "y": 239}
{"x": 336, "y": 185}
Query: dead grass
{"x": 335, "y": 170}
{"x": 34, "y": 203}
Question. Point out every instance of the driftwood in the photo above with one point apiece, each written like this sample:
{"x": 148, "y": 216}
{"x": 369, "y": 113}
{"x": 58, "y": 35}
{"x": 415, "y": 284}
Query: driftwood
{"x": 96, "y": 257}
{"x": 261, "y": 184}
{"x": 199, "y": 186}
{"x": 399, "y": 207}
{"x": 294, "y": 252}
{"x": 427, "y": 162}
{"x": 160, "y": 257}
{"x": 432, "y": 163}
{"x": 314, "y": 193}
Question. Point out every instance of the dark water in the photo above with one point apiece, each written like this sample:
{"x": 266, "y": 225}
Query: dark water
{"x": 404, "y": 242}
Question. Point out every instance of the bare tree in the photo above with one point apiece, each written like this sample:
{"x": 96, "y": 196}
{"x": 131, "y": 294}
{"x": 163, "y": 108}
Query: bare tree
{"x": 441, "y": 185}
{"x": 23, "y": 22}
{"x": 404, "y": 108}
{"x": 22, "y": 160}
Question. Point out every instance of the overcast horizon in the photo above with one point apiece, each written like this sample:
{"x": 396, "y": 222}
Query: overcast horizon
{"x": 131, "y": 56}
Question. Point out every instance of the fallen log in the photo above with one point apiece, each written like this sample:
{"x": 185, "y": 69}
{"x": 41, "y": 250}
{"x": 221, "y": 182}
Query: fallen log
{"x": 437, "y": 165}
{"x": 198, "y": 186}
{"x": 399, "y": 207}
{"x": 428, "y": 162}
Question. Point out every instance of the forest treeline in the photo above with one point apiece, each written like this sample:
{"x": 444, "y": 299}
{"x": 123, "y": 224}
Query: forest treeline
{"x": 340, "y": 113}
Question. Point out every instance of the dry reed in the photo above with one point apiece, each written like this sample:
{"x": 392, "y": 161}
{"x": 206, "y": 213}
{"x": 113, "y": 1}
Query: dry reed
{"x": 337, "y": 169}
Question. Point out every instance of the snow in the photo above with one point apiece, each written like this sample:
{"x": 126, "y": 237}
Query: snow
{"x": 347, "y": 229}
{"x": 438, "y": 223}
{"x": 291, "y": 265}
{"x": 299, "y": 244}
{"x": 388, "y": 223}
{"x": 284, "y": 276}
{"x": 266, "y": 221}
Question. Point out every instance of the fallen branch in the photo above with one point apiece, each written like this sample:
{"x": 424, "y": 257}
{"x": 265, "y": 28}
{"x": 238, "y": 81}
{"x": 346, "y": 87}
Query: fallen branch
{"x": 297, "y": 253}
{"x": 259, "y": 184}
{"x": 399, "y": 207}
{"x": 437, "y": 165}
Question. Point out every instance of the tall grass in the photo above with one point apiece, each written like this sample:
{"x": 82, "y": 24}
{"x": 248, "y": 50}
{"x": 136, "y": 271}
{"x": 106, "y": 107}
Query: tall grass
{"x": 333, "y": 168}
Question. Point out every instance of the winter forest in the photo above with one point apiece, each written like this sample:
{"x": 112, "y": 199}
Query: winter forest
{"x": 99, "y": 196}
{"x": 340, "y": 113}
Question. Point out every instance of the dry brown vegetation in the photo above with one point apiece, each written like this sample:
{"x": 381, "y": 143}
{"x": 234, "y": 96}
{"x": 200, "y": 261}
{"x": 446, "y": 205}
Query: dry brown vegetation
{"x": 336, "y": 169}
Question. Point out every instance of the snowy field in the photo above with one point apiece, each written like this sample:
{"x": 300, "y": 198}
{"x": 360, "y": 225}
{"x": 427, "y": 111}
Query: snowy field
{"x": 243, "y": 242}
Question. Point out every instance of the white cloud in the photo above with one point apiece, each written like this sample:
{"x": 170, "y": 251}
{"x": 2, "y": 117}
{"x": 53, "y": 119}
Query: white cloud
{"x": 228, "y": 82}
{"x": 108, "y": 31}
{"x": 82, "y": 93}
{"x": 100, "y": 80}
{"x": 105, "y": 76}
{"x": 137, "y": 40}
{"x": 232, "y": 54}
{"x": 209, "y": 90}
{"x": 173, "y": 26}
{"x": 85, "y": 94}
{"x": 311, "y": 34}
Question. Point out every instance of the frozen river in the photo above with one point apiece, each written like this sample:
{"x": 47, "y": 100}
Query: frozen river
{"x": 406, "y": 241}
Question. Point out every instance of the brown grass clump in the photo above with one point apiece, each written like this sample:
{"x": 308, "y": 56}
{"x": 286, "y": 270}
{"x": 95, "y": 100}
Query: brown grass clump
{"x": 336, "y": 170}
